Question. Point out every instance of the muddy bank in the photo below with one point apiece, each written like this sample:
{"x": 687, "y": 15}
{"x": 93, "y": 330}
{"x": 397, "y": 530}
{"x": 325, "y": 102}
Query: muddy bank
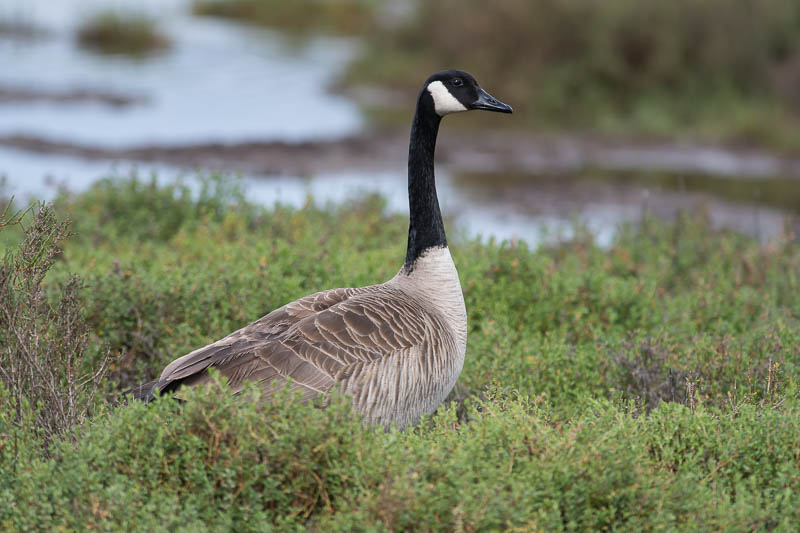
{"x": 609, "y": 203}
{"x": 21, "y": 95}
{"x": 259, "y": 158}
{"x": 504, "y": 204}
{"x": 386, "y": 149}
{"x": 21, "y": 30}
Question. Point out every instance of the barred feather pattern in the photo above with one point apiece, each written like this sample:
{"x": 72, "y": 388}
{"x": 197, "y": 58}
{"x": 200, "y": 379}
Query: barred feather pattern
{"x": 396, "y": 348}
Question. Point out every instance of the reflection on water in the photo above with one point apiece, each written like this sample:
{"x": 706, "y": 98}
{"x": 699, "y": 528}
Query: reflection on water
{"x": 37, "y": 177}
{"x": 219, "y": 82}
{"x": 604, "y": 200}
{"x": 227, "y": 83}
{"x": 533, "y": 209}
{"x": 41, "y": 177}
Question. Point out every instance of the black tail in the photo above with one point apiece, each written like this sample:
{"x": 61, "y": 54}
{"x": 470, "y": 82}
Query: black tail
{"x": 147, "y": 392}
{"x": 144, "y": 392}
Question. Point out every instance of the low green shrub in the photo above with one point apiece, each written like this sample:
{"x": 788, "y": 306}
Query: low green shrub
{"x": 216, "y": 462}
{"x": 652, "y": 384}
{"x": 112, "y": 32}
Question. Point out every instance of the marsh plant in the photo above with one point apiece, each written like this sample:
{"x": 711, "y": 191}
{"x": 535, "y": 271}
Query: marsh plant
{"x": 43, "y": 365}
{"x": 622, "y": 67}
{"x": 122, "y": 33}
{"x": 345, "y": 17}
{"x": 652, "y": 384}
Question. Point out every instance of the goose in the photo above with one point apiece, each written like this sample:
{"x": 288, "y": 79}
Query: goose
{"x": 396, "y": 348}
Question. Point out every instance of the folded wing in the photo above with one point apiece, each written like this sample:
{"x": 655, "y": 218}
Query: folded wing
{"x": 316, "y": 341}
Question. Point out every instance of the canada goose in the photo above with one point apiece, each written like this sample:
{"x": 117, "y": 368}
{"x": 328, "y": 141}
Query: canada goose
{"x": 396, "y": 348}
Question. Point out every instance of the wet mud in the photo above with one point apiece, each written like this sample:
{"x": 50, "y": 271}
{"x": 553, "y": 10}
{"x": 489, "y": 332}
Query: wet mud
{"x": 385, "y": 149}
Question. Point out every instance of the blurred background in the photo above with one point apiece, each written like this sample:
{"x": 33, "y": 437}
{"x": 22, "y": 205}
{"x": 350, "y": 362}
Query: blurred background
{"x": 622, "y": 107}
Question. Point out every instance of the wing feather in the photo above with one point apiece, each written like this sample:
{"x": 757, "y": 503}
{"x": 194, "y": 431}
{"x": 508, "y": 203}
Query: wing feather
{"x": 314, "y": 342}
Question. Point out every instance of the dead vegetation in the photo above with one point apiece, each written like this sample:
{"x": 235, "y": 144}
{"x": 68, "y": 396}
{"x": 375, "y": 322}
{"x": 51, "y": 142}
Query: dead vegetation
{"x": 42, "y": 330}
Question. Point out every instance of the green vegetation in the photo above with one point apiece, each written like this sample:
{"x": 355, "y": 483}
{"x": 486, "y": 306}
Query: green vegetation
{"x": 702, "y": 70}
{"x": 347, "y": 17}
{"x": 651, "y": 385}
{"x": 131, "y": 34}
{"x": 625, "y": 67}
{"x": 777, "y": 192}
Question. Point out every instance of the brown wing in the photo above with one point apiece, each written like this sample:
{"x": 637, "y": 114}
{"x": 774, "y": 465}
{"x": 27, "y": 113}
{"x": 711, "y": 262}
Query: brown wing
{"x": 315, "y": 341}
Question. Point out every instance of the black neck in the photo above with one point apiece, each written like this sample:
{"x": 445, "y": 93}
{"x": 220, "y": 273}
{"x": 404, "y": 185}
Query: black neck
{"x": 425, "y": 229}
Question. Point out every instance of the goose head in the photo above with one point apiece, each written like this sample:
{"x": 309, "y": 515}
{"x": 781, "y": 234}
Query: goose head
{"x": 454, "y": 91}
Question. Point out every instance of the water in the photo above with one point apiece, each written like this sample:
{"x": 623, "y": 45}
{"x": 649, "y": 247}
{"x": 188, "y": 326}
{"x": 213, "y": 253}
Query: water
{"x": 534, "y": 209}
{"x": 221, "y": 82}
{"x": 602, "y": 203}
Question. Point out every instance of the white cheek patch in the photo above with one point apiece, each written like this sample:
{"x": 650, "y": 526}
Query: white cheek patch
{"x": 443, "y": 102}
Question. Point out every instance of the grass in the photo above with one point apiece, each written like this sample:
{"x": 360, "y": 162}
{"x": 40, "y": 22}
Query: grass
{"x": 122, "y": 33}
{"x": 623, "y": 67}
{"x": 343, "y": 17}
{"x": 650, "y": 385}
{"x": 773, "y": 192}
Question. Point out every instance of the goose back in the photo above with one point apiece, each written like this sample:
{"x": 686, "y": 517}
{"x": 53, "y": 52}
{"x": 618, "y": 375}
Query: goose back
{"x": 395, "y": 348}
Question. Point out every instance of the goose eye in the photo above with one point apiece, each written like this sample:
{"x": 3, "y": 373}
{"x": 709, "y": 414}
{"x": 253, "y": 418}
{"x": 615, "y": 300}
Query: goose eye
{"x": 457, "y": 82}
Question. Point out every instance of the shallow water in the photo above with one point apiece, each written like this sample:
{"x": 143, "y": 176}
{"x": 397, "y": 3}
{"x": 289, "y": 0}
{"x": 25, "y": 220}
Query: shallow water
{"x": 218, "y": 82}
{"x": 535, "y": 209}
{"x": 43, "y": 177}
{"x": 602, "y": 202}
{"x": 227, "y": 83}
